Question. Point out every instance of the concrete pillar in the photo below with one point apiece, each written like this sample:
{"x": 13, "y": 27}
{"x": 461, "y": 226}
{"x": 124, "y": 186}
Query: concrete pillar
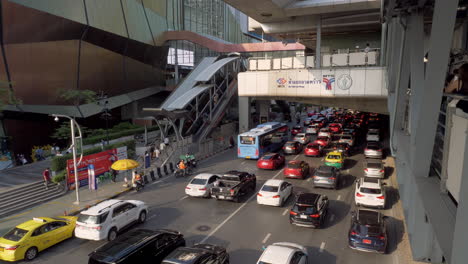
{"x": 263, "y": 107}
{"x": 318, "y": 44}
{"x": 383, "y": 44}
{"x": 176, "y": 65}
{"x": 245, "y": 116}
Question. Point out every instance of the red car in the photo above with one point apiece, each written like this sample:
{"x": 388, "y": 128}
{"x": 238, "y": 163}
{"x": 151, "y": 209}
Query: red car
{"x": 320, "y": 124}
{"x": 295, "y": 130}
{"x": 296, "y": 169}
{"x": 270, "y": 161}
{"x": 322, "y": 141}
{"x": 335, "y": 127}
{"x": 313, "y": 149}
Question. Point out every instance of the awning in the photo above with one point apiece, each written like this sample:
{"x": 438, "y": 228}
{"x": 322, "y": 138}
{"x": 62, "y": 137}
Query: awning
{"x": 206, "y": 74}
{"x": 187, "y": 97}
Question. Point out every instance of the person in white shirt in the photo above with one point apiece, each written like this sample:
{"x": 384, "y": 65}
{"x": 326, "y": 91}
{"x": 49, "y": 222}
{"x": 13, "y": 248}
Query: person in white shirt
{"x": 367, "y": 49}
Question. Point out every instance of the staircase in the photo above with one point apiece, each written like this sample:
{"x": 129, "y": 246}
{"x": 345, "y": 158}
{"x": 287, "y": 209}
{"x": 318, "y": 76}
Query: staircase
{"x": 28, "y": 195}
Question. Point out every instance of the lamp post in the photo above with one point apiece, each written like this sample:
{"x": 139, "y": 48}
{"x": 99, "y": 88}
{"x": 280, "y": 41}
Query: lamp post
{"x": 73, "y": 123}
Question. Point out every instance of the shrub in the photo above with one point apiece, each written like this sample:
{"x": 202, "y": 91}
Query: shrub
{"x": 114, "y": 135}
{"x": 60, "y": 176}
{"x": 59, "y": 163}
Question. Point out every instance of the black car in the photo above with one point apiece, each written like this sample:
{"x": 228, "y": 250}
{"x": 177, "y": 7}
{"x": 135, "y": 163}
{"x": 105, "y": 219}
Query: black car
{"x": 292, "y": 147}
{"x": 309, "y": 210}
{"x": 368, "y": 231}
{"x": 342, "y": 147}
{"x": 138, "y": 246}
{"x": 198, "y": 254}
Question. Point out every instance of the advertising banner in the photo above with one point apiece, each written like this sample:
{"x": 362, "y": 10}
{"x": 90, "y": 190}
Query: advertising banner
{"x": 92, "y": 178}
{"x": 101, "y": 162}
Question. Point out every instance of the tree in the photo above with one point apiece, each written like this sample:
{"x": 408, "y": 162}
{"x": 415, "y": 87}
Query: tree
{"x": 7, "y": 96}
{"x": 63, "y": 131}
{"x": 78, "y": 96}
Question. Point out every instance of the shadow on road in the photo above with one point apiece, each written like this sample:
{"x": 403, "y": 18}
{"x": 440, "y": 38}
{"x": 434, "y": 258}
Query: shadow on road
{"x": 396, "y": 229}
{"x": 392, "y": 197}
{"x": 320, "y": 256}
{"x": 346, "y": 181}
{"x": 349, "y": 164}
{"x": 339, "y": 210}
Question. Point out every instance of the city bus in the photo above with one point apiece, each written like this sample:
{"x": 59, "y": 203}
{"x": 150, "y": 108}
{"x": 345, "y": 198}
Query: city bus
{"x": 266, "y": 137}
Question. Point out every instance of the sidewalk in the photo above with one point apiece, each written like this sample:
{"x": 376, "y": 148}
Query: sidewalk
{"x": 65, "y": 204}
{"x": 24, "y": 174}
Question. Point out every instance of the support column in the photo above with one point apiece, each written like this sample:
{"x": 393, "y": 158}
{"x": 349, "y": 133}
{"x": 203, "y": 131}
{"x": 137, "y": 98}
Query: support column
{"x": 443, "y": 23}
{"x": 383, "y": 44}
{"x": 176, "y": 65}
{"x": 318, "y": 52}
{"x": 263, "y": 107}
{"x": 245, "y": 117}
{"x": 459, "y": 248}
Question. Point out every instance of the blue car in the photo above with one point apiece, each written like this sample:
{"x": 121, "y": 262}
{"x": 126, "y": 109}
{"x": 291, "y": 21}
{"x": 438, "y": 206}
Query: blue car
{"x": 368, "y": 231}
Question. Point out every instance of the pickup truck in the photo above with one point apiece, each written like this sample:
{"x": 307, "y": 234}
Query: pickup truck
{"x": 234, "y": 184}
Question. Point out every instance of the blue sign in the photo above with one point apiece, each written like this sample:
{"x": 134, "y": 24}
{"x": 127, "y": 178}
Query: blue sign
{"x": 92, "y": 178}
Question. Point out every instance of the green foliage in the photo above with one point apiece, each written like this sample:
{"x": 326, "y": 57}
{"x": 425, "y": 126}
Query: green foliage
{"x": 114, "y": 135}
{"x": 60, "y": 176}
{"x": 7, "y": 96}
{"x": 63, "y": 131}
{"x": 124, "y": 126}
{"x": 59, "y": 163}
{"x": 78, "y": 96}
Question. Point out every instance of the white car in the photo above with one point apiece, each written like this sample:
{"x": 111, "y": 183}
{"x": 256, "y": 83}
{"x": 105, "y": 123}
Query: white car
{"x": 200, "y": 185}
{"x": 324, "y": 132}
{"x": 274, "y": 192}
{"x": 312, "y": 129}
{"x": 106, "y": 219}
{"x": 370, "y": 192}
{"x": 284, "y": 253}
{"x": 302, "y": 138}
{"x": 373, "y": 136}
{"x": 348, "y": 139}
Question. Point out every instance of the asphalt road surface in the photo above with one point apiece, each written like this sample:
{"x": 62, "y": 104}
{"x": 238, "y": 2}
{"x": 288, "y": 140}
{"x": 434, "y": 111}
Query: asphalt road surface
{"x": 245, "y": 227}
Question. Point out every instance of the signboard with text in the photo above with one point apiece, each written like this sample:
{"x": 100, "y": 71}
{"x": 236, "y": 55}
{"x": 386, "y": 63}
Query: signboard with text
{"x": 101, "y": 162}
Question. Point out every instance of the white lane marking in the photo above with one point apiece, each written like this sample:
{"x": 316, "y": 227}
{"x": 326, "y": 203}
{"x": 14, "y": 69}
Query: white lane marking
{"x": 185, "y": 197}
{"x": 296, "y": 157}
{"x": 233, "y": 213}
{"x": 285, "y": 211}
{"x": 332, "y": 217}
{"x": 156, "y": 182}
{"x": 243, "y": 162}
{"x": 339, "y": 197}
{"x": 266, "y": 238}
{"x": 151, "y": 217}
{"x": 322, "y": 246}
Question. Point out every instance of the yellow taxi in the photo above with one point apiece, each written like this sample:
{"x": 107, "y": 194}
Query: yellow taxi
{"x": 26, "y": 240}
{"x": 335, "y": 159}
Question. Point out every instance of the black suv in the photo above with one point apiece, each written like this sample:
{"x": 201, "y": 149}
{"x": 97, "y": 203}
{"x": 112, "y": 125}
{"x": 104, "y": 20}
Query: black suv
{"x": 138, "y": 246}
{"x": 368, "y": 231}
{"x": 309, "y": 210}
{"x": 198, "y": 254}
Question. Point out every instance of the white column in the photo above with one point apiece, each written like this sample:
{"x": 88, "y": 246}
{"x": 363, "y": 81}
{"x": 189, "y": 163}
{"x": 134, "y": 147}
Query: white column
{"x": 318, "y": 53}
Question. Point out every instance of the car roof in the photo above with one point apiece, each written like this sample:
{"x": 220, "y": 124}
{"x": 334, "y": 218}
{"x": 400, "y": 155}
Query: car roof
{"x": 127, "y": 243}
{"x": 291, "y": 142}
{"x": 204, "y": 176}
{"x": 334, "y": 153}
{"x": 274, "y": 182}
{"x": 34, "y": 223}
{"x": 368, "y": 217}
{"x": 277, "y": 254}
{"x": 307, "y": 198}
{"x": 101, "y": 207}
{"x": 325, "y": 168}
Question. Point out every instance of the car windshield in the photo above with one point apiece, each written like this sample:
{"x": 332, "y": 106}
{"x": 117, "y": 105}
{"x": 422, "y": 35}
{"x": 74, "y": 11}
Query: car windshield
{"x": 370, "y": 190}
{"x": 373, "y": 133}
{"x": 16, "y": 234}
{"x": 374, "y": 147}
{"x": 267, "y": 157}
{"x": 345, "y": 137}
{"x": 292, "y": 144}
{"x": 247, "y": 140}
{"x": 321, "y": 173}
{"x": 294, "y": 165}
{"x": 305, "y": 209}
{"x": 198, "y": 181}
{"x": 374, "y": 165}
{"x": 368, "y": 230}
{"x": 313, "y": 146}
{"x": 268, "y": 188}
{"x": 322, "y": 138}
{"x": 92, "y": 219}
{"x": 333, "y": 157}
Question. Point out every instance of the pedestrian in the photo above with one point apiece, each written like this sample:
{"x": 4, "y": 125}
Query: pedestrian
{"x": 459, "y": 85}
{"x": 102, "y": 144}
{"x": 215, "y": 98}
{"x": 156, "y": 153}
{"x": 166, "y": 141}
{"x": 367, "y": 49}
{"x": 23, "y": 159}
{"x": 113, "y": 174}
{"x": 151, "y": 151}
{"x": 231, "y": 142}
{"x": 46, "y": 176}
{"x": 161, "y": 146}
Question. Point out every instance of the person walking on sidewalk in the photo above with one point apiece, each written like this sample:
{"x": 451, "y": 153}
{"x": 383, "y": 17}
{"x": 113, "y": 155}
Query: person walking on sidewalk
{"x": 46, "y": 176}
{"x": 113, "y": 174}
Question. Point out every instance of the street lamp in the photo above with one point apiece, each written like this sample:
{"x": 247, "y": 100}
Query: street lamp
{"x": 73, "y": 123}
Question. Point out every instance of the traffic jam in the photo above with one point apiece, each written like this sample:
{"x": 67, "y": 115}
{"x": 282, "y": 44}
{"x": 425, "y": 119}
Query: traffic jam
{"x": 330, "y": 137}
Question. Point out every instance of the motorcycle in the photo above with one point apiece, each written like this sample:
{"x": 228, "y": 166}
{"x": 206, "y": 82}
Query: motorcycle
{"x": 179, "y": 172}
{"x": 138, "y": 185}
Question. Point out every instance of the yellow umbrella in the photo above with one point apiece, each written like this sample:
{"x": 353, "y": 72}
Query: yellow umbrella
{"x": 125, "y": 164}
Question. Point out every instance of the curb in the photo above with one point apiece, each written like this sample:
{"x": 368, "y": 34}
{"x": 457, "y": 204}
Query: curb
{"x": 115, "y": 195}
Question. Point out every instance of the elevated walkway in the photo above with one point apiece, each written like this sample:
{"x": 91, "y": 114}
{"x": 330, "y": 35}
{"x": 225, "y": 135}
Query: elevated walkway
{"x": 354, "y": 81}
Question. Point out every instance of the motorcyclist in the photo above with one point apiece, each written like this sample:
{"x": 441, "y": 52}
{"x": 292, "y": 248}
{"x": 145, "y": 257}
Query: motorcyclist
{"x": 182, "y": 166}
{"x": 137, "y": 180}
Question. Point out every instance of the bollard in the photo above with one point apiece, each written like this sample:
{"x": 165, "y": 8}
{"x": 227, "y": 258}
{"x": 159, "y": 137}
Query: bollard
{"x": 165, "y": 169}
{"x": 145, "y": 179}
{"x": 171, "y": 166}
{"x": 152, "y": 175}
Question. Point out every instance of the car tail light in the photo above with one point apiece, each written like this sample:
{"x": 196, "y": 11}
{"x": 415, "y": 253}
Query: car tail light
{"x": 238, "y": 151}
{"x": 381, "y": 171}
{"x": 256, "y": 152}
{"x": 315, "y": 215}
{"x": 366, "y": 149}
{"x": 332, "y": 178}
{"x": 276, "y": 196}
{"x": 366, "y": 169}
{"x": 382, "y": 237}
{"x": 96, "y": 227}
{"x": 11, "y": 247}
{"x": 353, "y": 233}
{"x": 293, "y": 147}
{"x": 292, "y": 213}
{"x": 379, "y": 150}
{"x": 202, "y": 189}
{"x": 381, "y": 197}
{"x": 359, "y": 195}
{"x": 187, "y": 188}
{"x": 259, "y": 194}
{"x": 231, "y": 191}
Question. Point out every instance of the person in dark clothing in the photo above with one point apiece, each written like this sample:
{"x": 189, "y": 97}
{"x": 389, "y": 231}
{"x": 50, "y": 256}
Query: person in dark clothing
{"x": 459, "y": 85}
{"x": 113, "y": 175}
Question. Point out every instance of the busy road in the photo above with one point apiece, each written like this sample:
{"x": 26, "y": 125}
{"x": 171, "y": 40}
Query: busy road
{"x": 244, "y": 228}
